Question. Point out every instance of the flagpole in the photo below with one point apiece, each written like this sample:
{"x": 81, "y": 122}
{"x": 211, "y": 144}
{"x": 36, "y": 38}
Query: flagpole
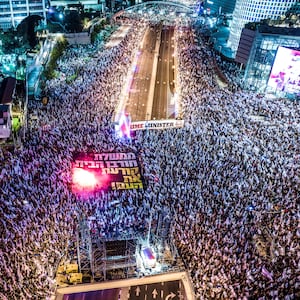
{"x": 149, "y": 228}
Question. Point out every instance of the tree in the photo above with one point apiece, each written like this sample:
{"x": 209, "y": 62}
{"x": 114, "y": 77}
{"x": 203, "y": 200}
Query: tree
{"x": 97, "y": 29}
{"x": 10, "y": 41}
{"x": 73, "y": 21}
{"x": 57, "y": 51}
{"x": 27, "y": 29}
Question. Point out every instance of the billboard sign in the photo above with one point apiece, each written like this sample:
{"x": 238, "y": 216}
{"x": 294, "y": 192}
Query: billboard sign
{"x": 285, "y": 73}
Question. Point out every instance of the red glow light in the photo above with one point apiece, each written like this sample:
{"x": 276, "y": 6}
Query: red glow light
{"x": 83, "y": 178}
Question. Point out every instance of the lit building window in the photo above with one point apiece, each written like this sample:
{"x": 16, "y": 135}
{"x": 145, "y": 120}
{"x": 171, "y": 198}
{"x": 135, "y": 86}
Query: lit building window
{"x": 259, "y": 10}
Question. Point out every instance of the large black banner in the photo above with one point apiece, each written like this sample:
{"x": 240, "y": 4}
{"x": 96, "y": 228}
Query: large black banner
{"x": 94, "y": 172}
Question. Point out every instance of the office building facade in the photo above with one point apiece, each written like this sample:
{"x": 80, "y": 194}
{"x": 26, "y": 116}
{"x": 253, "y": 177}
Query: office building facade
{"x": 246, "y": 11}
{"x": 220, "y": 6}
{"x": 96, "y": 4}
{"x": 266, "y": 41}
{"x": 12, "y": 12}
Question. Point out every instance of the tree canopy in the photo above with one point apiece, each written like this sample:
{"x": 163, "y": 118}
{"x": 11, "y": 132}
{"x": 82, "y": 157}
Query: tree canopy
{"x": 27, "y": 29}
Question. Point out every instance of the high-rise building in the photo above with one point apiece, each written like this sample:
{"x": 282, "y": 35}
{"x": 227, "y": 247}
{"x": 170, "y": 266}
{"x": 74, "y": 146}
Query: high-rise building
{"x": 96, "y": 4}
{"x": 265, "y": 44}
{"x": 12, "y": 12}
{"x": 220, "y": 6}
{"x": 246, "y": 11}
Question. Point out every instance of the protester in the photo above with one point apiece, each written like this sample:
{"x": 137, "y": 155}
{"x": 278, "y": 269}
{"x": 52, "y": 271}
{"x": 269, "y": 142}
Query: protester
{"x": 229, "y": 177}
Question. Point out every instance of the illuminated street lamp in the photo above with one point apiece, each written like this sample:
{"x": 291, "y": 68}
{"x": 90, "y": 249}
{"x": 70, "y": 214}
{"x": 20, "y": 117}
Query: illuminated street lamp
{"x": 61, "y": 16}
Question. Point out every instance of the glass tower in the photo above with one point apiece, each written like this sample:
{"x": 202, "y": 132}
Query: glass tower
{"x": 253, "y": 11}
{"x": 264, "y": 48}
{"x": 222, "y": 6}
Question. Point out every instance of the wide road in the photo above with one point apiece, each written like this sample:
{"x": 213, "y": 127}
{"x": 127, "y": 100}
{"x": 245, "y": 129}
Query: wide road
{"x": 165, "y": 80}
{"x": 138, "y": 93}
{"x": 170, "y": 290}
{"x": 150, "y": 94}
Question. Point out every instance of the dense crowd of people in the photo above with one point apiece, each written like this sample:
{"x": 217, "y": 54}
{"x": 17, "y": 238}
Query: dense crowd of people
{"x": 238, "y": 230}
{"x": 229, "y": 177}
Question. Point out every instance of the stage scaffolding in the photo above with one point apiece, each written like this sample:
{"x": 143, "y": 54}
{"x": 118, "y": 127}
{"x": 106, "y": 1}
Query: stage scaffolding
{"x": 99, "y": 254}
{"x": 84, "y": 247}
{"x": 105, "y": 262}
{"x": 103, "y": 258}
{"x": 96, "y": 257}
